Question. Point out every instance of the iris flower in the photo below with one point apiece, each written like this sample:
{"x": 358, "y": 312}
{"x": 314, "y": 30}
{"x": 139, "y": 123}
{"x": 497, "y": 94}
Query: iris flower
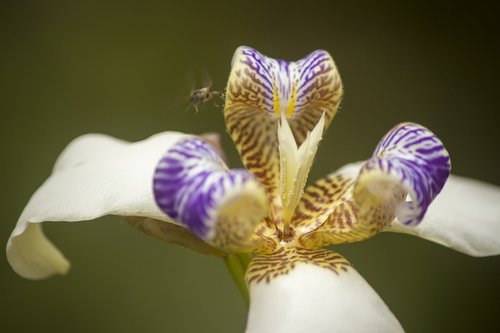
{"x": 177, "y": 187}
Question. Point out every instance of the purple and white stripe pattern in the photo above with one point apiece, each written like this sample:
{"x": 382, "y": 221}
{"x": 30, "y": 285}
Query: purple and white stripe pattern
{"x": 418, "y": 160}
{"x": 286, "y": 87}
{"x": 261, "y": 72}
{"x": 314, "y": 72}
{"x": 191, "y": 182}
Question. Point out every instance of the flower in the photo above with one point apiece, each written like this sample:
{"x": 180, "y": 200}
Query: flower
{"x": 176, "y": 187}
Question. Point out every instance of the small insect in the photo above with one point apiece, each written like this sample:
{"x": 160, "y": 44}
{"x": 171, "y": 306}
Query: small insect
{"x": 197, "y": 92}
{"x": 202, "y": 95}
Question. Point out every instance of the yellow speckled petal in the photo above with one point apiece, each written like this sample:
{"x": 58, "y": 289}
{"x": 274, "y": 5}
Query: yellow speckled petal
{"x": 248, "y": 113}
{"x": 259, "y": 91}
{"x": 327, "y": 213}
{"x": 349, "y": 211}
{"x": 322, "y": 197}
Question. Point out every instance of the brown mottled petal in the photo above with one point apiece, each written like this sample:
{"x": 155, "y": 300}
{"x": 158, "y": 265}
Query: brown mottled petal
{"x": 328, "y": 214}
{"x": 260, "y": 90}
{"x": 364, "y": 206}
{"x": 322, "y": 197}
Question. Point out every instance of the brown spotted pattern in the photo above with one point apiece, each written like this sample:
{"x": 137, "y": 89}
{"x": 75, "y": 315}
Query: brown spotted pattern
{"x": 349, "y": 222}
{"x": 255, "y": 137}
{"x": 265, "y": 267}
{"x": 319, "y": 201}
{"x": 252, "y": 129}
{"x": 324, "y": 97}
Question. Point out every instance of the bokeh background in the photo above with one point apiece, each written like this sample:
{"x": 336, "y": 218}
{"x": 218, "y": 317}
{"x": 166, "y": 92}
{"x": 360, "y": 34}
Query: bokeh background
{"x": 69, "y": 68}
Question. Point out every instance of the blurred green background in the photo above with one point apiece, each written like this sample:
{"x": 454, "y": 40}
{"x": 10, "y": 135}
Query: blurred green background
{"x": 73, "y": 68}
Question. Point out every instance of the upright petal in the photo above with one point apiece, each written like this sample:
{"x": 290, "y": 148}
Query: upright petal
{"x": 321, "y": 293}
{"x": 259, "y": 90}
{"x": 94, "y": 176}
{"x": 465, "y": 216}
{"x": 409, "y": 161}
{"x": 193, "y": 186}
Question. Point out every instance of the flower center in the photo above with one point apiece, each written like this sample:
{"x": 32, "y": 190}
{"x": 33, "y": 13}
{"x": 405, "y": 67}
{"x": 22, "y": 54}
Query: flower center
{"x": 287, "y": 235}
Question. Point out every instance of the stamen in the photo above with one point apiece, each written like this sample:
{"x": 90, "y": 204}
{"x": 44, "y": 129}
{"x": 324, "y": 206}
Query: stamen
{"x": 295, "y": 163}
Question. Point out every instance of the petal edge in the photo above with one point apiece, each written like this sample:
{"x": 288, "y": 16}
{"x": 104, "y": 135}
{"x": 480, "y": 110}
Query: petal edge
{"x": 465, "y": 216}
{"x": 114, "y": 178}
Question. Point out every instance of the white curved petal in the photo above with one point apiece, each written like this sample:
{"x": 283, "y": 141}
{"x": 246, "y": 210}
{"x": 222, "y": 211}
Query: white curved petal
{"x": 94, "y": 176}
{"x": 465, "y": 216}
{"x": 314, "y": 299}
{"x": 33, "y": 256}
{"x": 87, "y": 147}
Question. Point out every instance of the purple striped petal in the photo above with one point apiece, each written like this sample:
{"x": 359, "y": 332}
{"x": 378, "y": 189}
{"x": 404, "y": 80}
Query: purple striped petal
{"x": 259, "y": 91}
{"x": 415, "y": 157}
{"x": 276, "y": 86}
{"x": 192, "y": 185}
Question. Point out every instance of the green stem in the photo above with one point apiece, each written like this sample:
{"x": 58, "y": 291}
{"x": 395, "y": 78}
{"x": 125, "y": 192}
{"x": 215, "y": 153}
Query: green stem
{"x": 237, "y": 265}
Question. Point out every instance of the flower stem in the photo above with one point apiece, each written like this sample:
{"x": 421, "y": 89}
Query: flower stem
{"x": 237, "y": 265}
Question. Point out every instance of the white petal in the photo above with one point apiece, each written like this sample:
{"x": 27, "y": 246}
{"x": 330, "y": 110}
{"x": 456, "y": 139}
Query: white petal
{"x": 94, "y": 176}
{"x": 314, "y": 299}
{"x": 33, "y": 256}
{"x": 464, "y": 216}
{"x": 87, "y": 147}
